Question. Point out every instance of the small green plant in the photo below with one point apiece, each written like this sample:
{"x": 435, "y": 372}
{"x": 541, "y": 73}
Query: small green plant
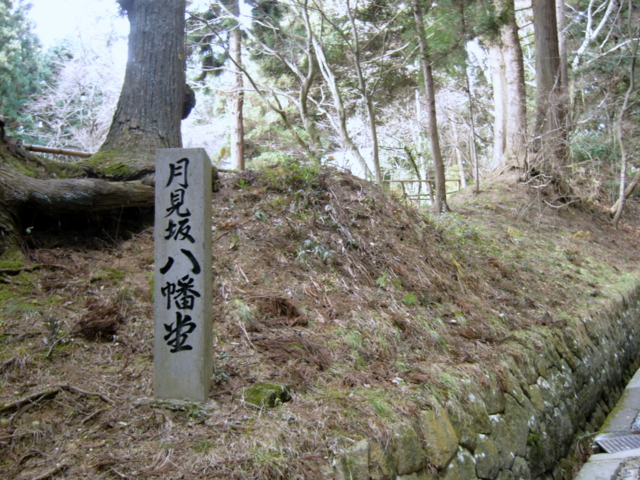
{"x": 410, "y": 300}
{"x": 241, "y": 311}
{"x": 381, "y": 281}
{"x": 379, "y": 403}
{"x": 261, "y": 216}
{"x": 234, "y": 241}
{"x": 219, "y": 375}
{"x": 292, "y": 175}
{"x": 353, "y": 338}
{"x": 115, "y": 275}
{"x": 242, "y": 183}
{"x": 309, "y": 247}
{"x": 202, "y": 446}
{"x": 269, "y": 158}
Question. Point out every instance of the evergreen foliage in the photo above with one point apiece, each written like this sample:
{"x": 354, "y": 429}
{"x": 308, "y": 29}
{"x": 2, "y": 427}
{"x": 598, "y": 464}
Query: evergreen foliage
{"x": 290, "y": 103}
{"x": 21, "y": 67}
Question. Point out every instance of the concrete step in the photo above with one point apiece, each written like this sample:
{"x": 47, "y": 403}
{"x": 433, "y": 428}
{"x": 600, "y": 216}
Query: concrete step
{"x": 620, "y": 430}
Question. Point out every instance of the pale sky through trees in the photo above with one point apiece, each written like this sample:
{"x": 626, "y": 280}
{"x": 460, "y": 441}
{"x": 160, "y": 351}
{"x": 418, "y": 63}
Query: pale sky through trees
{"x": 55, "y": 20}
{"x": 96, "y": 26}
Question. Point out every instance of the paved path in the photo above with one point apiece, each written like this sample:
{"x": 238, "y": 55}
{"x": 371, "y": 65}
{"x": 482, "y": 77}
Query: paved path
{"x": 620, "y": 430}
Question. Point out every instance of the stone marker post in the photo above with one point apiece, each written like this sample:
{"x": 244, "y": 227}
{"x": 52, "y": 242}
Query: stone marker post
{"x": 183, "y": 324}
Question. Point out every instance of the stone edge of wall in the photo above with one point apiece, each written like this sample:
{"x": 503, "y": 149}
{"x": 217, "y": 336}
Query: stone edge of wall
{"x": 518, "y": 428}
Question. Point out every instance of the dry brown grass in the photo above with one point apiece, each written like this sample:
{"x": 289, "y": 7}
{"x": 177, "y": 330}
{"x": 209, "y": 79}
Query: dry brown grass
{"x": 366, "y": 309}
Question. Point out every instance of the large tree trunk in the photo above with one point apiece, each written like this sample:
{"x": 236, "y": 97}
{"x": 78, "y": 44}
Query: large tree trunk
{"x": 440, "y": 203}
{"x": 516, "y": 109}
{"x": 147, "y": 117}
{"x": 149, "y": 110}
{"x": 509, "y": 95}
{"x": 551, "y": 135}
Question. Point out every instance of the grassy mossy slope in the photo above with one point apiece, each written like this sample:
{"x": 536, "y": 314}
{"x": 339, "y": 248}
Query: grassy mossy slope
{"x": 368, "y": 310}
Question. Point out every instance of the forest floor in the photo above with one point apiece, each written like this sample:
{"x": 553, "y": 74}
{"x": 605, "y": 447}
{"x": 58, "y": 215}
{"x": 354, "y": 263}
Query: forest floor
{"x": 362, "y": 308}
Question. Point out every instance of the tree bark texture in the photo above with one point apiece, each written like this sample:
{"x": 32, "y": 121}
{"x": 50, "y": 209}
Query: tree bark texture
{"x": 237, "y": 132}
{"x": 150, "y": 106}
{"x": 440, "y": 203}
{"x": 509, "y": 93}
{"x": 44, "y": 193}
{"x": 68, "y": 196}
{"x": 633, "y": 51}
{"x": 562, "y": 43}
{"x": 498, "y": 80}
{"x": 551, "y": 141}
{"x": 516, "y": 97}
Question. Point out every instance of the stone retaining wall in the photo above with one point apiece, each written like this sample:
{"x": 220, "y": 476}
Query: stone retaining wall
{"x": 520, "y": 427}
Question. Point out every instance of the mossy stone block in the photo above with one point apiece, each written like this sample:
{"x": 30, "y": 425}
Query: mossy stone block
{"x": 354, "y": 465}
{"x": 407, "y": 450}
{"x": 469, "y": 421}
{"x": 506, "y": 475}
{"x": 510, "y": 432}
{"x": 486, "y": 456}
{"x": 520, "y": 469}
{"x": 462, "y": 467}
{"x": 493, "y": 396}
{"x": 381, "y": 464}
{"x": 441, "y": 441}
{"x": 265, "y": 394}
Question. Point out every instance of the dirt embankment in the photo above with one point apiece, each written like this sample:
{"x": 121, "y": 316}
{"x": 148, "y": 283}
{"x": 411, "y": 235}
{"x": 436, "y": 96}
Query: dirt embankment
{"x": 363, "y": 309}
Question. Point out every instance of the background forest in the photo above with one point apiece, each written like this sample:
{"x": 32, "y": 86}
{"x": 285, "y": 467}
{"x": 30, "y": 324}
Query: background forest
{"x": 388, "y": 89}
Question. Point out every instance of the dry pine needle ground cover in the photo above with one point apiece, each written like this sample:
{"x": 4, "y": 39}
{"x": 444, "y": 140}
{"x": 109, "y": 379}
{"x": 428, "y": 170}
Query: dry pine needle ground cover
{"x": 363, "y": 308}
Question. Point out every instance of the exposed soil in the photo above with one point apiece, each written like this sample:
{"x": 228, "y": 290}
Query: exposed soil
{"x": 365, "y": 309}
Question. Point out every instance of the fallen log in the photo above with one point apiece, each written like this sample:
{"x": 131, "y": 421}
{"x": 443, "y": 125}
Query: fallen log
{"x": 72, "y": 195}
{"x": 57, "y": 151}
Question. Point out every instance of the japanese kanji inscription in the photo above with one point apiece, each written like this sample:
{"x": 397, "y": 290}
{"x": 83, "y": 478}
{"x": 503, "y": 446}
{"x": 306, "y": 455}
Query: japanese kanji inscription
{"x": 183, "y": 329}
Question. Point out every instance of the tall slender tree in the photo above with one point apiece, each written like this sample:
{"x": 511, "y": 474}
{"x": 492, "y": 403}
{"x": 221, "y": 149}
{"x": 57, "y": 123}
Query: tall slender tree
{"x": 365, "y": 92}
{"x": 237, "y": 130}
{"x": 339, "y": 122}
{"x": 516, "y": 135}
{"x": 633, "y": 33}
{"x": 440, "y": 201}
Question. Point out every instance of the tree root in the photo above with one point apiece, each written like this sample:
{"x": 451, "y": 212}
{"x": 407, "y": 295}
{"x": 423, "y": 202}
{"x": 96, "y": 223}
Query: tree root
{"x": 18, "y": 271}
{"x": 51, "y": 472}
{"x": 50, "y": 392}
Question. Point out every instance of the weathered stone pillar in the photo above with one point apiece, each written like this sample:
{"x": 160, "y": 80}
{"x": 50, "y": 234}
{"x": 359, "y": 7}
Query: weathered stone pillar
{"x": 183, "y": 319}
